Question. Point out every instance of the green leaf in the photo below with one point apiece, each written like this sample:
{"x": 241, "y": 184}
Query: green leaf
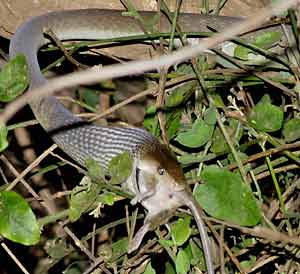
{"x": 181, "y": 230}
{"x": 265, "y": 116}
{"x": 197, "y": 136}
{"x": 291, "y": 130}
{"x": 90, "y": 97}
{"x": 201, "y": 131}
{"x": 219, "y": 144}
{"x": 120, "y": 168}
{"x": 173, "y": 117}
{"x": 173, "y": 123}
{"x": 169, "y": 268}
{"x": 149, "y": 269}
{"x": 190, "y": 158}
{"x": 182, "y": 262}
{"x": 180, "y": 94}
{"x": 107, "y": 198}
{"x": 267, "y": 39}
{"x": 14, "y": 78}
{"x": 119, "y": 248}
{"x": 210, "y": 116}
{"x": 184, "y": 69}
{"x": 197, "y": 256}
{"x": 248, "y": 264}
{"x": 151, "y": 121}
{"x": 3, "y": 137}
{"x": 166, "y": 243}
{"x": 241, "y": 52}
{"x": 95, "y": 171}
{"x": 225, "y": 196}
{"x": 57, "y": 248}
{"x": 82, "y": 198}
{"x": 264, "y": 41}
{"x": 217, "y": 99}
{"x": 17, "y": 221}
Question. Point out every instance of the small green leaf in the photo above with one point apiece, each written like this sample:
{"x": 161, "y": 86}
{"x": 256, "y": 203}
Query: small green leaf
{"x": 173, "y": 117}
{"x": 149, "y": 269}
{"x": 3, "y": 137}
{"x": 95, "y": 171}
{"x": 90, "y": 97}
{"x": 219, "y": 144}
{"x": 201, "y": 131}
{"x": 180, "y": 94}
{"x": 151, "y": 121}
{"x": 181, "y": 230}
{"x": 119, "y": 248}
{"x": 169, "y": 268}
{"x": 225, "y": 196}
{"x": 197, "y": 256}
{"x": 267, "y": 39}
{"x": 265, "y": 116}
{"x": 190, "y": 158}
{"x": 210, "y": 117}
{"x": 248, "y": 264}
{"x": 188, "y": 251}
{"x": 182, "y": 262}
{"x": 107, "y": 198}
{"x": 184, "y": 69}
{"x": 264, "y": 41}
{"x": 173, "y": 123}
{"x": 235, "y": 131}
{"x": 120, "y": 168}
{"x": 217, "y": 99}
{"x": 17, "y": 221}
{"x": 57, "y": 248}
{"x": 241, "y": 52}
{"x": 197, "y": 136}
{"x": 82, "y": 198}
{"x": 166, "y": 243}
{"x": 291, "y": 130}
{"x": 14, "y": 78}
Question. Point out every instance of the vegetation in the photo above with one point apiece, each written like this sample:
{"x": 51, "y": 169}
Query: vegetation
{"x": 233, "y": 123}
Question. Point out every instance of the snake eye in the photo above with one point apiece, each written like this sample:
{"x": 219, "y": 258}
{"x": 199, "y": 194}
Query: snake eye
{"x": 161, "y": 171}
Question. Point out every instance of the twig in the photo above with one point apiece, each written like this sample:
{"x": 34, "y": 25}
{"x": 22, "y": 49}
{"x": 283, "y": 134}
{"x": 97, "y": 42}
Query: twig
{"x": 225, "y": 246}
{"x": 232, "y": 148}
{"x": 265, "y": 153}
{"x": 17, "y": 174}
{"x": 274, "y": 206}
{"x": 63, "y": 49}
{"x": 261, "y": 232}
{"x": 276, "y": 170}
{"x": 30, "y": 167}
{"x": 18, "y": 263}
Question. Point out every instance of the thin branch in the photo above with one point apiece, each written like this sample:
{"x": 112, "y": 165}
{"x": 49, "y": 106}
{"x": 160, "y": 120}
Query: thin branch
{"x": 18, "y": 263}
{"x": 31, "y": 166}
{"x": 266, "y": 153}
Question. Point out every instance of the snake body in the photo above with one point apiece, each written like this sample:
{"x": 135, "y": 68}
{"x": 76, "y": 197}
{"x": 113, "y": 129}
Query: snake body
{"x": 90, "y": 141}
{"x": 162, "y": 187}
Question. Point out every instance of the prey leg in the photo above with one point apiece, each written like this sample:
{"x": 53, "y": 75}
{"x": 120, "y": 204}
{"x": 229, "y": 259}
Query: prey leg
{"x": 151, "y": 222}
